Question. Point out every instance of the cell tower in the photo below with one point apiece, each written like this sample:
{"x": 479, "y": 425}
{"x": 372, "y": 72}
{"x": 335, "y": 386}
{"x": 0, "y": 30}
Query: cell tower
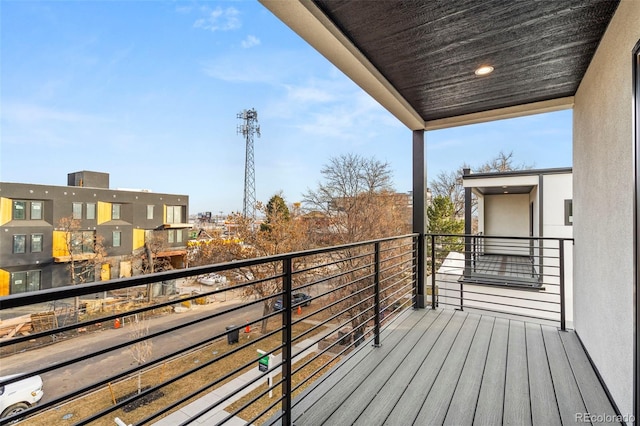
{"x": 248, "y": 128}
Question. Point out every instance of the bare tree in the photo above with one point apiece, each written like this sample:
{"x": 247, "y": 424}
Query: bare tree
{"x": 282, "y": 232}
{"x": 84, "y": 250}
{"x": 149, "y": 257}
{"x": 140, "y": 351}
{"x": 359, "y": 204}
{"x": 449, "y": 183}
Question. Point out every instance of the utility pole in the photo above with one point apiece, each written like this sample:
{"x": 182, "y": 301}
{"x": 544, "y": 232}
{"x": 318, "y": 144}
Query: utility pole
{"x": 248, "y": 128}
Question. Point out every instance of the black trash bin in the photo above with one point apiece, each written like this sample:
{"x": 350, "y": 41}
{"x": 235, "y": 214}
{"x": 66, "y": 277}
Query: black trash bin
{"x": 232, "y": 335}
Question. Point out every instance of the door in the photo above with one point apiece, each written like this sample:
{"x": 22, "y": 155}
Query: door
{"x": 105, "y": 272}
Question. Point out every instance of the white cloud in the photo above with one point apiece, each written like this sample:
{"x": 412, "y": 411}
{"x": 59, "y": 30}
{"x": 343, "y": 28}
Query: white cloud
{"x": 219, "y": 19}
{"x": 250, "y": 41}
{"x": 308, "y": 94}
{"x": 27, "y": 113}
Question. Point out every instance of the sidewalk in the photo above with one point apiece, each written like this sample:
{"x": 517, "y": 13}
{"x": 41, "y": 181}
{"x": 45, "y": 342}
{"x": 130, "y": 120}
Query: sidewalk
{"x": 217, "y": 414}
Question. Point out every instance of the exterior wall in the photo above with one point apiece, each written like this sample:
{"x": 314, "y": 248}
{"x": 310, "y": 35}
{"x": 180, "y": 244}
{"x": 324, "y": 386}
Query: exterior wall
{"x": 506, "y": 215}
{"x": 603, "y": 206}
{"x": 556, "y": 189}
{"x": 57, "y": 204}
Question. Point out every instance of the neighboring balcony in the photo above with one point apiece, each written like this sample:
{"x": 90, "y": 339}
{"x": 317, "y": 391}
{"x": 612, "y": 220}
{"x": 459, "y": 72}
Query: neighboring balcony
{"x": 359, "y": 349}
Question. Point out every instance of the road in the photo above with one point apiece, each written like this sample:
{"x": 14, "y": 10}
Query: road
{"x": 60, "y": 382}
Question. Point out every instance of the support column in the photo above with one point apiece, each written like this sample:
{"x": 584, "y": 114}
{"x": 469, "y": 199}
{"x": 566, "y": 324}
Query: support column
{"x": 419, "y": 212}
{"x": 468, "y": 221}
{"x": 636, "y": 232}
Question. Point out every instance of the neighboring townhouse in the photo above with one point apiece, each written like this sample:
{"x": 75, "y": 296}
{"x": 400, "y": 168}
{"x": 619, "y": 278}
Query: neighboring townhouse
{"x": 34, "y": 249}
{"x": 522, "y": 203}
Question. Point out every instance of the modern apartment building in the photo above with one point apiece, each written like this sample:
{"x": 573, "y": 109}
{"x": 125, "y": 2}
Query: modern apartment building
{"x": 37, "y": 246}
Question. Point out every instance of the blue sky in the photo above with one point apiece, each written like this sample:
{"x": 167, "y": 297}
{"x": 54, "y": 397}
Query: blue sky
{"x": 148, "y": 91}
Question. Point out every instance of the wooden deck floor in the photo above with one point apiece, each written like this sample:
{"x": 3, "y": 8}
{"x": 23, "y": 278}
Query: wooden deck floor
{"x": 457, "y": 368}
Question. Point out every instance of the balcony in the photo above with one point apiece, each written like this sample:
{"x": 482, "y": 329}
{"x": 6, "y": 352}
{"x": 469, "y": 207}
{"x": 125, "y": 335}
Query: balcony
{"x": 360, "y": 350}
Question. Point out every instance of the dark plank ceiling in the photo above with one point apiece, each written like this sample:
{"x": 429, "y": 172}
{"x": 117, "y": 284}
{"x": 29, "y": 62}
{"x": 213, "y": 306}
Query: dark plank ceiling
{"x": 428, "y": 50}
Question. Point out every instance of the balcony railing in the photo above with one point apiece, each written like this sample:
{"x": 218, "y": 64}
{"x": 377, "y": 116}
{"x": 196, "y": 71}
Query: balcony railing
{"x": 106, "y": 354}
{"x": 522, "y": 277}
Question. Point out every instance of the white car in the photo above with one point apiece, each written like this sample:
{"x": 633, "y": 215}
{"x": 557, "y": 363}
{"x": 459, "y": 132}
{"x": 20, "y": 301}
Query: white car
{"x": 18, "y": 396}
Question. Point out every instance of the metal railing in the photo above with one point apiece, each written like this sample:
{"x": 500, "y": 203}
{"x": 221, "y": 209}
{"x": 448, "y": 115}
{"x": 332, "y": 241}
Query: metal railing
{"x": 522, "y": 277}
{"x": 139, "y": 362}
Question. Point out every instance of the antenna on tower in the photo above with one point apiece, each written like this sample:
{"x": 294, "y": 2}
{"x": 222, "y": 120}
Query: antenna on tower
{"x": 248, "y": 128}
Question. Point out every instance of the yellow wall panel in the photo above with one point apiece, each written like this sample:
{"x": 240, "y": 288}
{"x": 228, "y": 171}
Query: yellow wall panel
{"x": 59, "y": 243}
{"x": 138, "y": 238}
{"x": 125, "y": 269}
{"x": 164, "y": 213}
{"x": 105, "y": 272}
{"x": 5, "y": 210}
{"x": 104, "y": 212}
{"x": 5, "y": 279}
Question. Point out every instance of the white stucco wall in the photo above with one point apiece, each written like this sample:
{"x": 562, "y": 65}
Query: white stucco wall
{"x": 603, "y": 206}
{"x": 556, "y": 189}
{"x": 506, "y": 215}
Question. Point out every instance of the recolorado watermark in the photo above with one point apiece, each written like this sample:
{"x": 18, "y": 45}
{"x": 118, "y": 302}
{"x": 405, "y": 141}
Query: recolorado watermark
{"x": 604, "y": 418}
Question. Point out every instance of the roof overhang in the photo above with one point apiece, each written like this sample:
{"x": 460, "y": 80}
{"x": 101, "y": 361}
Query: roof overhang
{"x": 417, "y": 58}
{"x": 309, "y": 22}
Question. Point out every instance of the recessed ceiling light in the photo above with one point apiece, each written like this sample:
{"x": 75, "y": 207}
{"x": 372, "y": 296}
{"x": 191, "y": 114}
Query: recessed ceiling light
{"x": 484, "y": 70}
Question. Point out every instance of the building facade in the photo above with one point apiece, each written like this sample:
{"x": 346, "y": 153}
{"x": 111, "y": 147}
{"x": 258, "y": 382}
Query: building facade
{"x": 44, "y": 229}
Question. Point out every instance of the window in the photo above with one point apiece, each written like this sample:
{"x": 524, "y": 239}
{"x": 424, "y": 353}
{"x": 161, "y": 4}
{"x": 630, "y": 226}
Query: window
{"x": 174, "y": 214}
{"x": 82, "y": 242}
{"x": 91, "y": 211}
{"x": 22, "y": 282}
{"x": 77, "y": 210}
{"x": 150, "y": 212}
{"x": 19, "y": 210}
{"x": 116, "y": 238}
{"x": 19, "y": 243}
{"x": 27, "y": 210}
{"x": 36, "y": 210}
{"x": 568, "y": 212}
{"x": 36, "y": 243}
{"x": 85, "y": 272}
{"x": 171, "y": 236}
{"x": 115, "y": 211}
{"x": 178, "y": 235}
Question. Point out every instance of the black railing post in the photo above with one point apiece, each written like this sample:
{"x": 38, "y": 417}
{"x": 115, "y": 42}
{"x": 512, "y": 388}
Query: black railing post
{"x": 376, "y": 285}
{"x": 563, "y": 320}
{"x": 419, "y": 302}
{"x": 287, "y": 350}
{"x": 434, "y": 304}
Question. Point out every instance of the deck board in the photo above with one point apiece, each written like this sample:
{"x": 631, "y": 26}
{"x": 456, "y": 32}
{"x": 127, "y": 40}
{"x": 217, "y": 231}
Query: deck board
{"x": 347, "y": 378}
{"x": 589, "y": 386}
{"x": 434, "y": 410}
{"x": 564, "y": 383}
{"x": 490, "y": 401}
{"x": 461, "y": 411}
{"x": 358, "y": 400}
{"x": 544, "y": 409}
{"x": 517, "y": 401}
{"x": 452, "y": 367}
{"x": 383, "y": 402}
{"x": 406, "y": 410}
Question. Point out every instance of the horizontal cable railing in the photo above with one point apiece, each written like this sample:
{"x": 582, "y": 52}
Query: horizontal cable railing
{"x": 246, "y": 346}
{"x": 521, "y": 277}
